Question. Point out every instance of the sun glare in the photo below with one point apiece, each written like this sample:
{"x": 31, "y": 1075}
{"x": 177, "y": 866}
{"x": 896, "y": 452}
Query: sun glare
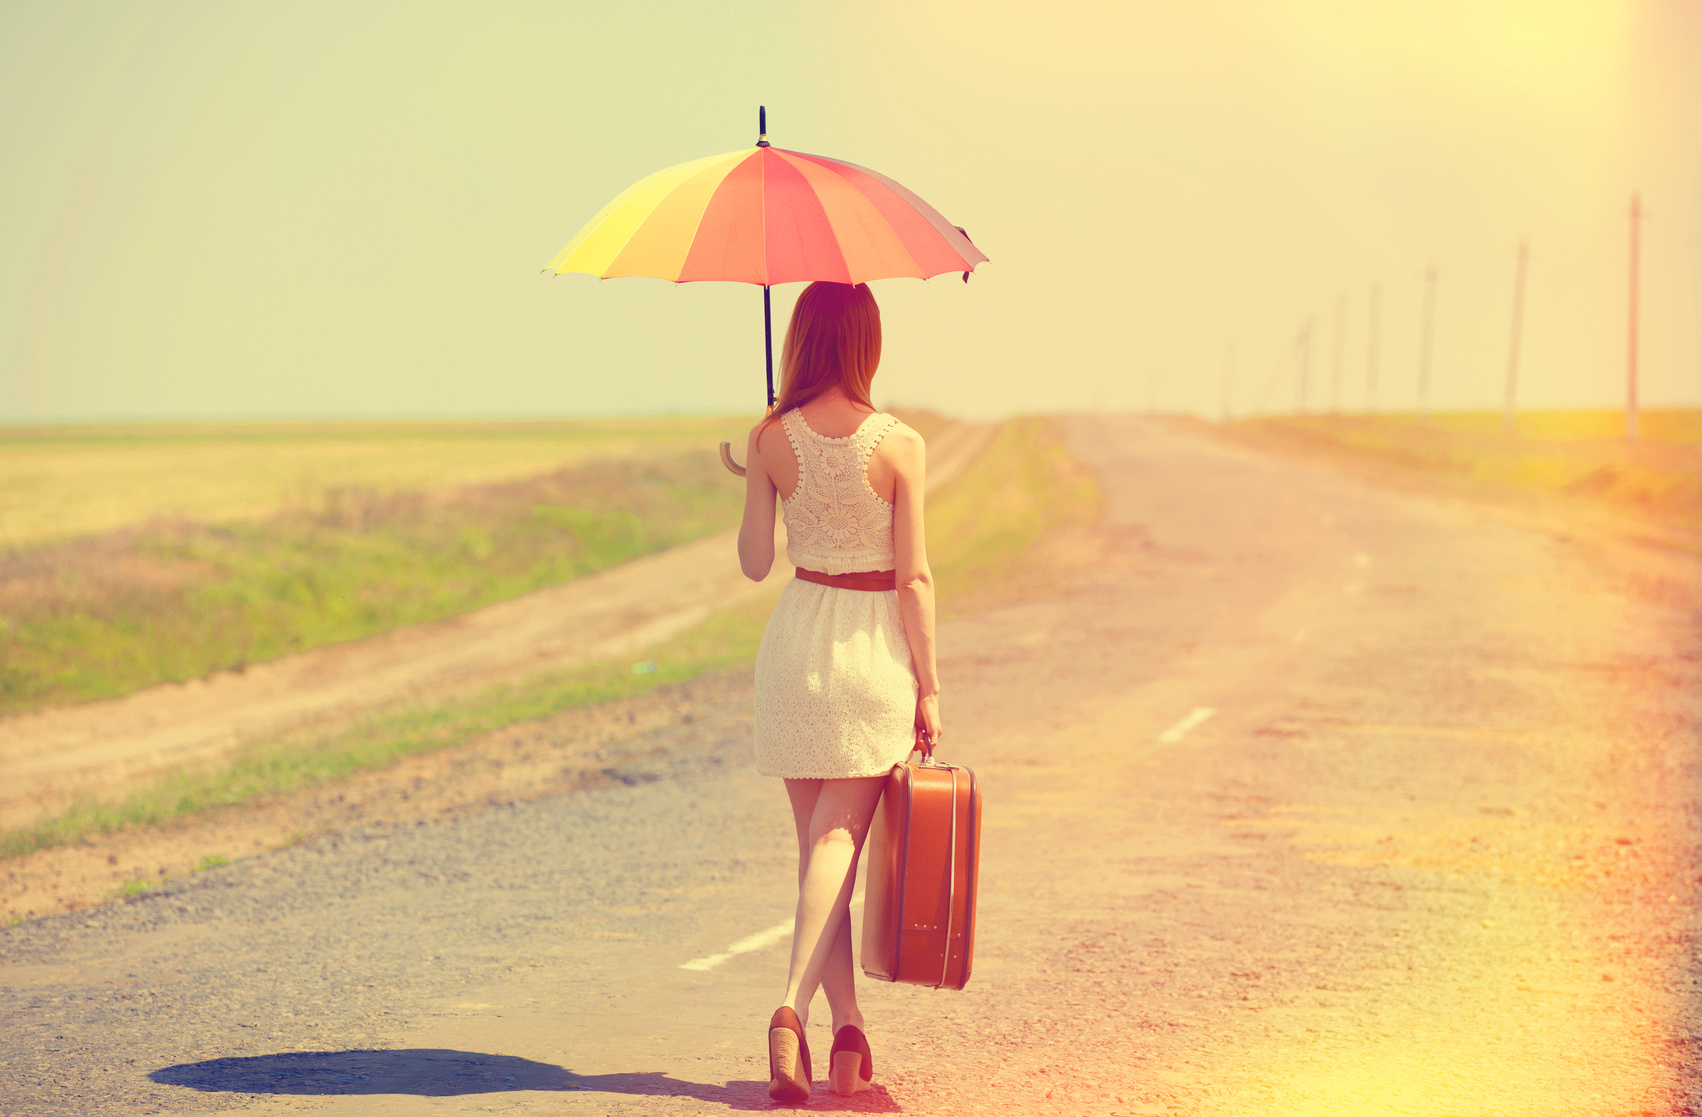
{"x": 1554, "y": 49}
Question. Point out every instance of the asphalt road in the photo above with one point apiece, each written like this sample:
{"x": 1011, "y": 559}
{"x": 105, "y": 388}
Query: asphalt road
{"x": 1304, "y": 797}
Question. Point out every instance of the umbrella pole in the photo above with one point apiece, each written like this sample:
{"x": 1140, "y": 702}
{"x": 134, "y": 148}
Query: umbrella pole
{"x": 768, "y": 352}
{"x": 767, "y": 314}
{"x": 768, "y": 343}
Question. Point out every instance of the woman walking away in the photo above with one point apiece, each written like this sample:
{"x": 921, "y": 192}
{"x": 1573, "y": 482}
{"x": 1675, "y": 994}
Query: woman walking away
{"x": 846, "y": 683}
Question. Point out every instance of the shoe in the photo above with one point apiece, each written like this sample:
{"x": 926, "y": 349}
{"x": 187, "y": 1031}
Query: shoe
{"x": 851, "y": 1069}
{"x": 788, "y": 1058}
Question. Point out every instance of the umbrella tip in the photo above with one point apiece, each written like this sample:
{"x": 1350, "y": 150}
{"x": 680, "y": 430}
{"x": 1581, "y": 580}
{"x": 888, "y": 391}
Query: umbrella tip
{"x": 762, "y": 126}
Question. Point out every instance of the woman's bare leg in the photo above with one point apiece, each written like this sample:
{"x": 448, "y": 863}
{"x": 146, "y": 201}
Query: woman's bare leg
{"x": 838, "y": 980}
{"x": 832, "y": 818}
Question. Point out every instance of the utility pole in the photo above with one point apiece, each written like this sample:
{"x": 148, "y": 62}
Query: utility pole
{"x": 1424, "y": 343}
{"x": 1304, "y": 387}
{"x": 1374, "y": 328}
{"x": 1631, "y": 361}
{"x": 1513, "y": 350}
{"x": 1272, "y": 383}
{"x": 1228, "y": 375}
{"x": 1336, "y": 362}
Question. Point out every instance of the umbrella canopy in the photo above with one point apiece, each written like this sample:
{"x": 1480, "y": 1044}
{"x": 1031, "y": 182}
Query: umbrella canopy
{"x": 766, "y": 216}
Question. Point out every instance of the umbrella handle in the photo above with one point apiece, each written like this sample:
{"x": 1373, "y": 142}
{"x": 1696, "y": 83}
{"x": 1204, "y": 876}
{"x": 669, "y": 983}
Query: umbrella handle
{"x": 727, "y": 460}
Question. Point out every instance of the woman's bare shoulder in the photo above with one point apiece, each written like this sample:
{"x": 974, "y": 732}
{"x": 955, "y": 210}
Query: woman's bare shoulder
{"x": 903, "y": 446}
{"x": 904, "y": 441}
{"x": 766, "y": 430}
{"x": 902, "y": 435}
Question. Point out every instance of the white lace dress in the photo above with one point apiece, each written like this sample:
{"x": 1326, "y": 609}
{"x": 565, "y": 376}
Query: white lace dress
{"x": 835, "y": 689}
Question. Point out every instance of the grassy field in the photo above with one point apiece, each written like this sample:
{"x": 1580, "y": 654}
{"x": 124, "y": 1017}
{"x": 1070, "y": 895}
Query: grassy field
{"x": 982, "y": 527}
{"x": 1579, "y": 456}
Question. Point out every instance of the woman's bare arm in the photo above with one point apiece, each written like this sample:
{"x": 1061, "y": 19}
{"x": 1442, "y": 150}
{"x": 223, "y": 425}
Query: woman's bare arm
{"x": 914, "y": 580}
{"x": 756, "y": 530}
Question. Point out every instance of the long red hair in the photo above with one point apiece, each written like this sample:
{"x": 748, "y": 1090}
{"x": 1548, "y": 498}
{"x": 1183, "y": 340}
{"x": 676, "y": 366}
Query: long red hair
{"x": 834, "y": 338}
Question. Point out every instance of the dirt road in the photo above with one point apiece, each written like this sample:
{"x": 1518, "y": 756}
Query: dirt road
{"x": 1308, "y": 797}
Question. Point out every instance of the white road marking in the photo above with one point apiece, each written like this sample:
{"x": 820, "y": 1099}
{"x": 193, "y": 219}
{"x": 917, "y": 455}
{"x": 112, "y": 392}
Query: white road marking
{"x": 744, "y": 946}
{"x": 1180, "y": 729}
{"x": 753, "y": 942}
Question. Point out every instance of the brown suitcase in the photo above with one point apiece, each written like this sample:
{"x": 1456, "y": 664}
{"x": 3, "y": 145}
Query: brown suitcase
{"x": 923, "y": 855}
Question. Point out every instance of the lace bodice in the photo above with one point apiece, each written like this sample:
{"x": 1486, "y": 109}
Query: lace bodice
{"x": 835, "y": 524}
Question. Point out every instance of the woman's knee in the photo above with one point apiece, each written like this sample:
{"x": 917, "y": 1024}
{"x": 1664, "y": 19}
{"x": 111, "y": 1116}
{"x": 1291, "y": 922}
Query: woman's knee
{"x": 833, "y": 839}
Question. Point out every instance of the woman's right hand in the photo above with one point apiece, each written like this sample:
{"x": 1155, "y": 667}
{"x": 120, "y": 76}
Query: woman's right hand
{"x": 928, "y": 729}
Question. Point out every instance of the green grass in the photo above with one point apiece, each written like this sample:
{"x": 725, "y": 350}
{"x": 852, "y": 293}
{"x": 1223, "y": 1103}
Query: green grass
{"x": 980, "y": 527}
{"x": 98, "y": 618}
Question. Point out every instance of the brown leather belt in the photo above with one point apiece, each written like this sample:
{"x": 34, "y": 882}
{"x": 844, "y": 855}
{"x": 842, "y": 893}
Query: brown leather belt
{"x": 873, "y": 580}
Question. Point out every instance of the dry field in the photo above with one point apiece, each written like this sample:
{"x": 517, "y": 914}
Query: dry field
{"x": 1568, "y": 462}
{"x": 67, "y": 481}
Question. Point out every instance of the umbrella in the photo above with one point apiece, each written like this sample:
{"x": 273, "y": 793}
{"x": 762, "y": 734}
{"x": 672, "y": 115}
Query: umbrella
{"x": 765, "y": 216}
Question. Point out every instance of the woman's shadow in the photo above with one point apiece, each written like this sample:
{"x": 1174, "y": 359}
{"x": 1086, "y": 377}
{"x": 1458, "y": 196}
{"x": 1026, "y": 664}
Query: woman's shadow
{"x": 437, "y": 1073}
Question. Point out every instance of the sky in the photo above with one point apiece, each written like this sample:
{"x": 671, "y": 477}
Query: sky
{"x": 315, "y": 209}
